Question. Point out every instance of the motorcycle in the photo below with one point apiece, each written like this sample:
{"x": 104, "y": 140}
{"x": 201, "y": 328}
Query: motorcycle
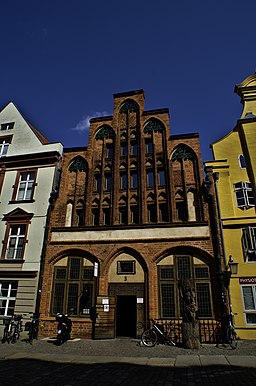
{"x": 64, "y": 328}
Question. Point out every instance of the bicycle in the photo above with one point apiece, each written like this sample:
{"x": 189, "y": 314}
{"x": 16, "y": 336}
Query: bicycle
{"x": 12, "y": 329}
{"x": 157, "y": 334}
{"x": 32, "y": 328}
{"x": 227, "y": 334}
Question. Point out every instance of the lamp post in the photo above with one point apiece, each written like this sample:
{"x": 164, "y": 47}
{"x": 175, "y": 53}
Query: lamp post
{"x": 231, "y": 269}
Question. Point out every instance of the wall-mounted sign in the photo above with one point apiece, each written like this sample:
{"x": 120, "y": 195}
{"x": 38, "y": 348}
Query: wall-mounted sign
{"x": 96, "y": 268}
{"x": 106, "y": 308}
{"x": 247, "y": 280}
{"x": 105, "y": 301}
{"x": 140, "y": 300}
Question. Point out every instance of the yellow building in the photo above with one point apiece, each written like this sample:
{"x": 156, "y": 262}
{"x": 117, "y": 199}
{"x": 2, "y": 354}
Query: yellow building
{"x": 234, "y": 169}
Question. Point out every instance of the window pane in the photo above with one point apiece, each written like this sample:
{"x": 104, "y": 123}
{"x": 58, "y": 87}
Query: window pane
{"x": 251, "y": 318}
{"x": 124, "y": 149}
{"x": 72, "y": 297}
{"x": 134, "y": 148}
{"x": 123, "y": 215}
{"x": 203, "y": 300}
{"x": 26, "y": 186}
{"x": 163, "y": 212}
{"x": 166, "y": 273}
{"x": 74, "y": 272}
{"x": 134, "y": 214}
{"x": 248, "y": 298}
{"x": 161, "y": 177}
{"x": 109, "y": 150}
{"x": 61, "y": 273}
{"x": 201, "y": 273}
{"x": 250, "y": 198}
{"x": 167, "y": 298}
{"x": 106, "y": 216}
{"x": 150, "y": 179}
{"x": 108, "y": 182}
{"x": 151, "y": 213}
{"x": 88, "y": 273}
{"x": 85, "y": 302}
{"x": 58, "y": 298}
{"x": 149, "y": 145}
{"x": 184, "y": 269}
{"x": 181, "y": 210}
{"x": 242, "y": 161}
{"x": 96, "y": 216}
{"x": 134, "y": 180}
{"x": 97, "y": 183}
{"x": 123, "y": 181}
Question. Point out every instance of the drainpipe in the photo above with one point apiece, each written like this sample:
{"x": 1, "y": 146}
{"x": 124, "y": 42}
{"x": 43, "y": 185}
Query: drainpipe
{"x": 215, "y": 221}
{"x": 216, "y": 179}
{"x": 52, "y": 199}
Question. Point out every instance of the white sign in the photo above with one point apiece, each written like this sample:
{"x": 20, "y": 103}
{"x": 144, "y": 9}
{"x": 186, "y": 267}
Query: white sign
{"x": 105, "y": 301}
{"x": 96, "y": 267}
{"x": 106, "y": 308}
{"x": 140, "y": 300}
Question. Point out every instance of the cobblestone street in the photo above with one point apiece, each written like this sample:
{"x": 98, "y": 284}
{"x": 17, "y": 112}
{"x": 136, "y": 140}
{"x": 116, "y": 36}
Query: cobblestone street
{"x": 125, "y": 362}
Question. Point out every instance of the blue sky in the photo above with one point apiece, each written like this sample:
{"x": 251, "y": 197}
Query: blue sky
{"x": 62, "y": 61}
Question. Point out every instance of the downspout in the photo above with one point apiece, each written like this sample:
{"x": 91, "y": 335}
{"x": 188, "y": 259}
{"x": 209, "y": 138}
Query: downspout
{"x": 215, "y": 231}
{"x": 52, "y": 199}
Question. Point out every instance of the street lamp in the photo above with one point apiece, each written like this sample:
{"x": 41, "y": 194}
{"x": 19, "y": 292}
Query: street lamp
{"x": 232, "y": 265}
{"x": 231, "y": 269}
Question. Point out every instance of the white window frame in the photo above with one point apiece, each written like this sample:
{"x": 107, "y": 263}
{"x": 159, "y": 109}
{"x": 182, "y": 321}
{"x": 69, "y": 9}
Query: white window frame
{"x": 26, "y": 187}
{"x": 4, "y": 145}
{"x": 247, "y": 194}
{"x": 7, "y": 298}
{"x": 249, "y": 311}
{"x": 249, "y": 244}
{"x": 17, "y": 241}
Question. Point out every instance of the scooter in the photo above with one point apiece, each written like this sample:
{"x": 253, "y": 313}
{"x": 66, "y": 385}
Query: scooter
{"x": 64, "y": 328}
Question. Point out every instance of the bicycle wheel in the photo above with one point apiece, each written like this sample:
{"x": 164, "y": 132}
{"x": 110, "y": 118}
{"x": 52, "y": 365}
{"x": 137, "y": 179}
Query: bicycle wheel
{"x": 149, "y": 338}
{"x": 231, "y": 338}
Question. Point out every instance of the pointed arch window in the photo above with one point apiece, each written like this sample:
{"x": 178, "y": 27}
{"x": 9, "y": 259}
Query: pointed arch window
{"x": 183, "y": 153}
{"x": 153, "y": 125}
{"x": 170, "y": 271}
{"x": 129, "y": 106}
{"x": 74, "y": 286}
{"x": 105, "y": 132}
{"x": 79, "y": 164}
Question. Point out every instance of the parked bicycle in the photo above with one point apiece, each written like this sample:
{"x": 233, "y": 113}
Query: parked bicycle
{"x": 228, "y": 333}
{"x": 157, "y": 334}
{"x": 32, "y": 328}
{"x": 12, "y": 329}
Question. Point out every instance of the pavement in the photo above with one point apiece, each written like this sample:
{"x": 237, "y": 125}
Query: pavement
{"x": 124, "y": 362}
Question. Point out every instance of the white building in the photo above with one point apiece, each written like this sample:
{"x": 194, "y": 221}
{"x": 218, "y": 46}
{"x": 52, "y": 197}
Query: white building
{"x": 29, "y": 170}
